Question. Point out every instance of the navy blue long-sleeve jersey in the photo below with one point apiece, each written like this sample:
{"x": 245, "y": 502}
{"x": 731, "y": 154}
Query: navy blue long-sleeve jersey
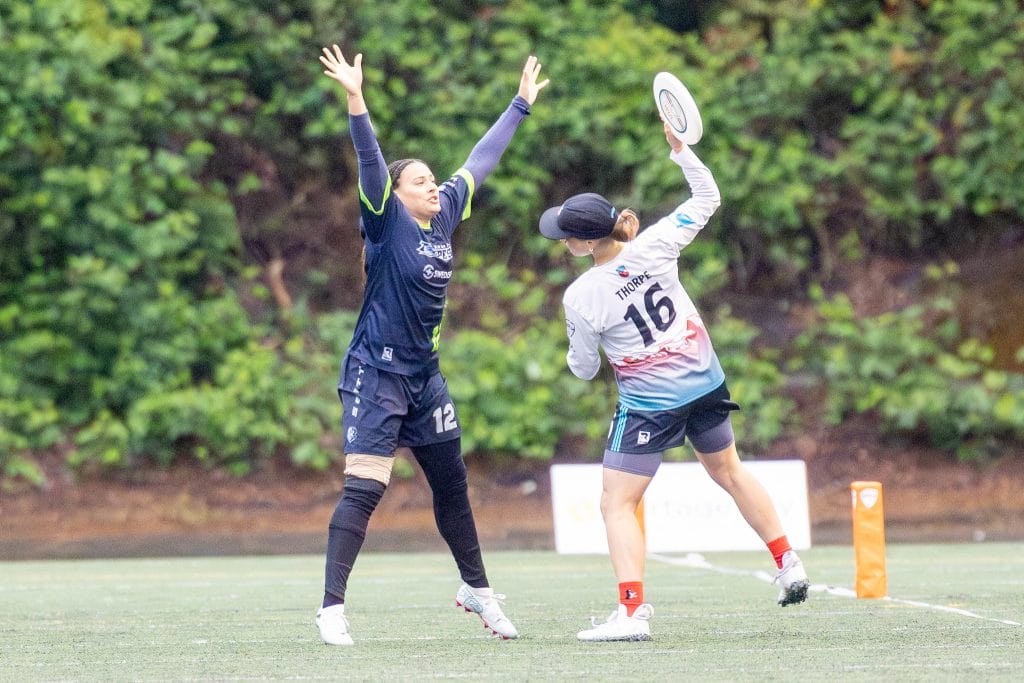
{"x": 408, "y": 265}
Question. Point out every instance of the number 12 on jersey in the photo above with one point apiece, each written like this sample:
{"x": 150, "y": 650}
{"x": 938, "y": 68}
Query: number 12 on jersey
{"x": 444, "y": 418}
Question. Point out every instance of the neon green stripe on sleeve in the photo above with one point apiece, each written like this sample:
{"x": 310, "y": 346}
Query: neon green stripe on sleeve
{"x": 369, "y": 205}
{"x": 468, "y": 177}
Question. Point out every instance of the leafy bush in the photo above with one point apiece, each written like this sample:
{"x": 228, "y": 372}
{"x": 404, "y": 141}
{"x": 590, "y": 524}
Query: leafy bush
{"x": 261, "y": 400}
{"x": 756, "y": 381}
{"x": 914, "y": 369}
{"x": 153, "y": 156}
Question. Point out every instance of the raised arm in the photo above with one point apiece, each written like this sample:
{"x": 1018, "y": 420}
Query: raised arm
{"x": 488, "y": 151}
{"x": 680, "y": 227}
{"x": 373, "y": 171}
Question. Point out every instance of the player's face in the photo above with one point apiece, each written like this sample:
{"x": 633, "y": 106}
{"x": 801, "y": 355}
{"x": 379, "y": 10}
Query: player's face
{"x": 417, "y": 190}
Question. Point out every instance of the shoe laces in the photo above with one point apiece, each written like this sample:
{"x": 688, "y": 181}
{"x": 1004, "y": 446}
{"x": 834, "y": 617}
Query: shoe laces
{"x": 494, "y": 603}
{"x": 594, "y": 623}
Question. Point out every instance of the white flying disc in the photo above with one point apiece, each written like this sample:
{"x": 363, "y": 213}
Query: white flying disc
{"x": 677, "y": 108}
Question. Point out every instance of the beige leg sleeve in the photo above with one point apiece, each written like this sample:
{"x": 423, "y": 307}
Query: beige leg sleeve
{"x": 376, "y": 467}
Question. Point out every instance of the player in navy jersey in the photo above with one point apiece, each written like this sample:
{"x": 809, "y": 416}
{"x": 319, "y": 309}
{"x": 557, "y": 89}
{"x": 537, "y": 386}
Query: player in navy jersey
{"x": 671, "y": 385}
{"x": 392, "y": 391}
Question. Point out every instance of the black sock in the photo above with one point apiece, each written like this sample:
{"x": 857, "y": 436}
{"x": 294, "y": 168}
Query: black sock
{"x": 346, "y": 533}
{"x": 446, "y": 473}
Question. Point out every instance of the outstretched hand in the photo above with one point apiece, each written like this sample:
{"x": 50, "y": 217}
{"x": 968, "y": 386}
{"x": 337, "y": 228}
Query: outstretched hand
{"x": 528, "y": 85}
{"x": 675, "y": 143}
{"x": 349, "y": 75}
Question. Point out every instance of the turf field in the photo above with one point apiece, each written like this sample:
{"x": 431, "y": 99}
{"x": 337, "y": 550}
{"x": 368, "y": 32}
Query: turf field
{"x": 954, "y": 613}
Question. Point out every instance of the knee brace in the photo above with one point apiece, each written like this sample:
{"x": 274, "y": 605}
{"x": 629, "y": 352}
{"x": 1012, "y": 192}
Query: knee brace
{"x": 375, "y": 467}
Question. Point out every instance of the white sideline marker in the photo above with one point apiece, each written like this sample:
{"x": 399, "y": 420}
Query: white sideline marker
{"x": 697, "y": 561}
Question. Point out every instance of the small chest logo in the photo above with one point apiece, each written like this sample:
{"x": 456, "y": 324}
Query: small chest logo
{"x": 432, "y": 273}
{"x": 434, "y": 250}
{"x": 621, "y": 270}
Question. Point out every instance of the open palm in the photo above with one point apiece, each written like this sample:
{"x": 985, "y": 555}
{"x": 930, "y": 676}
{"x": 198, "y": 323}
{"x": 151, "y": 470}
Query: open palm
{"x": 528, "y": 85}
{"x": 349, "y": 75}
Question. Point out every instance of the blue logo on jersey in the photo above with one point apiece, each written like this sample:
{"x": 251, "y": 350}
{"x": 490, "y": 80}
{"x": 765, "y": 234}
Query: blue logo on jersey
{"x": 682, "y": 220}
{"x": 438, "y": 251}
{"x": 621, "y": 270}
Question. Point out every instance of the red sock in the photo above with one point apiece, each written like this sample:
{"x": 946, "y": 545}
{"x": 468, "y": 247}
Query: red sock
{"x": 631, "y": 594}
{"x": 778, "y": 548}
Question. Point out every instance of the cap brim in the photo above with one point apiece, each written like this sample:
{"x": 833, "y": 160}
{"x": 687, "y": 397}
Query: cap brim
{"x": 549, "y": 224}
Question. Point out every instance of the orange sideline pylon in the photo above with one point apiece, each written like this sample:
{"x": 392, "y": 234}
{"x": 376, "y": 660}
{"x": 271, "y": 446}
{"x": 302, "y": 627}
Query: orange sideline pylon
{"x": 869, "y": 538}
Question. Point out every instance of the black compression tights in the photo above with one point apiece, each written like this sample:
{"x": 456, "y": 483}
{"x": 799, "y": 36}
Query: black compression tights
{"x": 446, "y": 473}
{"x": 346, "y": 533}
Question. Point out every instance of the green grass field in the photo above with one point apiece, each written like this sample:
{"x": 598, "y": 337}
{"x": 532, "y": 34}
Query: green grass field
{"x": 251, "y": 618}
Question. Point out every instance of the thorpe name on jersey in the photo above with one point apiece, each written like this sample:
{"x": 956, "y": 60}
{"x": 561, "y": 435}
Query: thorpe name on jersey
{"x": 632, "y": 285}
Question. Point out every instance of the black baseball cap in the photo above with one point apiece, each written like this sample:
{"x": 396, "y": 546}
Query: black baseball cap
{"x": 587, "y": 216}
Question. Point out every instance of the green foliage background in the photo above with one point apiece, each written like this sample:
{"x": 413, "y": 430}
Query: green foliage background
{"x": 159, "y": 159}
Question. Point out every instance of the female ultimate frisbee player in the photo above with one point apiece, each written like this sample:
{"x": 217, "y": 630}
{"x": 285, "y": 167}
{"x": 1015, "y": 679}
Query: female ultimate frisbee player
{"x": 392, "y": 391}
{"x": 671, "y": 385}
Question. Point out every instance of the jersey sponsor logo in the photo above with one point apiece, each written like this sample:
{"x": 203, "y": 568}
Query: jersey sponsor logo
{"x": 388, "y": 354}
{"x": 438, "y": 251}
{"x": 632, "y": 285}
{"x": 681, "y": 220}
{"x": 432, "y": 273}
{"x": 621, "y": 270}
{"x": 643, "y": 438}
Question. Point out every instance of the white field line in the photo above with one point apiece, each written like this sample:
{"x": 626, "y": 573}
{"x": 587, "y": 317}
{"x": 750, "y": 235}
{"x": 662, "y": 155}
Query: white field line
{"x": 697, "y": 561}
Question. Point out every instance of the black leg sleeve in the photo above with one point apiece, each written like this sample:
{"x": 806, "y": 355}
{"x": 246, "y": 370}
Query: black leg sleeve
{"x": 346, "y": 533}
{"x": 446, "y": 473}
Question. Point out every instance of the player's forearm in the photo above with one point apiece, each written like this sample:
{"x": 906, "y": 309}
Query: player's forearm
{"x": 373, "y": 172}
{"x": 486, "y": 154}
{"x": 704, "y": 195}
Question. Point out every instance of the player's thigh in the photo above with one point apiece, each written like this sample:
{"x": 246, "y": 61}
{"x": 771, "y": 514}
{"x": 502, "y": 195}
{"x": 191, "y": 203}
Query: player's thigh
{"x": 645, "y": 432}
{"x": 373, "y": 409}
{"x": 432, "y": 417}
{"x": 623, "y": 489}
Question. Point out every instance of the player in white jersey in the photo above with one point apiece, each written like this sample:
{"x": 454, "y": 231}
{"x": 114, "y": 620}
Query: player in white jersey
{"x": 671, "y": 385}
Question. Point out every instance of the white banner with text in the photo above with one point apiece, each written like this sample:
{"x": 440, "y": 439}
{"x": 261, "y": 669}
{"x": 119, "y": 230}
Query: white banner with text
{"x": 683, "y": 510}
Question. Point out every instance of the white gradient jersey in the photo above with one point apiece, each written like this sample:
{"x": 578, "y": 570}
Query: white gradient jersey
{"x": 636, "y": 309}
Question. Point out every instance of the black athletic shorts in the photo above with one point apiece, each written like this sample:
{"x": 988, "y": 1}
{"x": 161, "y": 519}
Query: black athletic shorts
{"x": 384, "y": 410}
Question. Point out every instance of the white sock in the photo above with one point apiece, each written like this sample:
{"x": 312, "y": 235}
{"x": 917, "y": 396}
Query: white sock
{"x": 483, "y": 592}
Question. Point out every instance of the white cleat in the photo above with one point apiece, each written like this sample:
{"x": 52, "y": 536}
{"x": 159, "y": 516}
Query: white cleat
{"x": 333, "y": 625}
{"x": 488, "y": 608}
{"x": 620, "y": 627}
{"x": 792, "y": 579}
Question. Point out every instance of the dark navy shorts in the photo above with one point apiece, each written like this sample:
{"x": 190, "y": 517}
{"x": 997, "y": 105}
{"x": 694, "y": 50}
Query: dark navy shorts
{"x": 383, "y": 410}
{"x": 637, "y": 439}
